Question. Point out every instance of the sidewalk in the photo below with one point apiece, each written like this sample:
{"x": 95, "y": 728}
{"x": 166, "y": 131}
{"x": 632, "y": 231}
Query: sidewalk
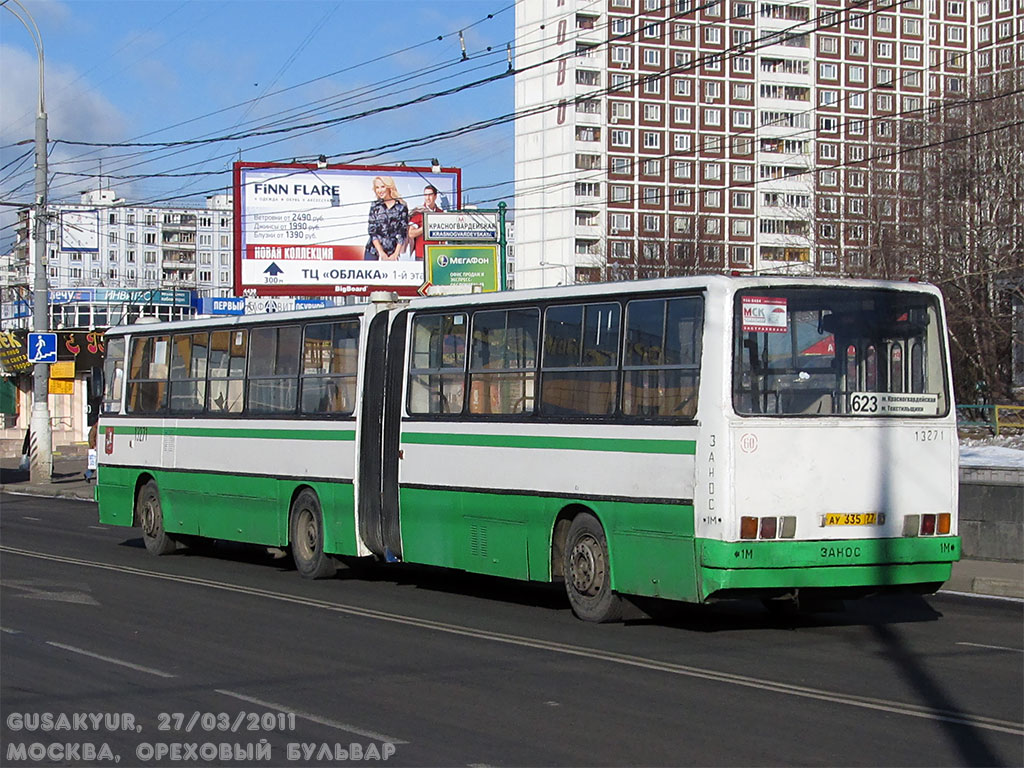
{"x": 980, "y": 577}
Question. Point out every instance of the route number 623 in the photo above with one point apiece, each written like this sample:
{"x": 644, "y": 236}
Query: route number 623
{"x": 861, "y": 402}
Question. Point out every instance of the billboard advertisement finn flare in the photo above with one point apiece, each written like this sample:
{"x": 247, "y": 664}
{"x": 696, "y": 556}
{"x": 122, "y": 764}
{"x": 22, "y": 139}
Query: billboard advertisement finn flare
{"x": 306, "y": 230}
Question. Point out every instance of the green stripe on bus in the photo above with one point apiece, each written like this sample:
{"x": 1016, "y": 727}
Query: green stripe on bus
{"x": 610, "y": 444}
{"x": 346, "y": 435}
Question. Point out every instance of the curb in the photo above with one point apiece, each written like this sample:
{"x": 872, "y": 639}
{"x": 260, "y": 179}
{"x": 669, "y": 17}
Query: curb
{"x": 986, "y": 585}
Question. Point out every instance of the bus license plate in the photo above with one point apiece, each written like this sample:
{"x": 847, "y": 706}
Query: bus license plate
{"x": 866, "y": 518}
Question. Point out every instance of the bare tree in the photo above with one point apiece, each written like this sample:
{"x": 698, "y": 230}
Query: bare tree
{"x": 972, "y": 243}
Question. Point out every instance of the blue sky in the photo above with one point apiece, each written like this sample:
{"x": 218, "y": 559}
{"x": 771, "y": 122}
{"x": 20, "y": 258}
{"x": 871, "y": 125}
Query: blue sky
{"x": 185, "y": 70}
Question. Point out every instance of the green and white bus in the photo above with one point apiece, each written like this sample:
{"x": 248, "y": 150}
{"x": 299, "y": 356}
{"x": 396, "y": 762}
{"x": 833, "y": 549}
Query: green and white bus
{"x": 692, "y": 439}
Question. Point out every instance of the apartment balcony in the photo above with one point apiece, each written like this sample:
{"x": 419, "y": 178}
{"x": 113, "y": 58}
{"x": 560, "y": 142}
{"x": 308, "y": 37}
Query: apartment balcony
{"x": 183, "y": 222}
{"x": 179, "y": 262}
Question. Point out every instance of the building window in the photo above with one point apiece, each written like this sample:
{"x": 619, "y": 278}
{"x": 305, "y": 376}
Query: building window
{"x": 828, "y": 71}
{"x": 740, "y": 227}
{"x": 652, "y": 140}
{"x": 622, "y": 110}
{"x": 741, "y": 200}
{"x": 621, "y": 165}
{"x": 621, "y": 138}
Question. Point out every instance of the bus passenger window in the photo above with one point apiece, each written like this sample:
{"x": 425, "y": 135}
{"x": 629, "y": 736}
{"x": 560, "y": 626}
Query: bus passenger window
{"x": 579, "y": 370}
{"x": 147, "y": 375}
{"x": 437, "y": 369}
{"x": 661, "y": 364}
{"x": 503, "y": 364}
{"x": 227, "y": 370}
{"x": 188, "y": 372}
{"x": 273, "y": 375}
{"x": 329, "y": 366}
{"x": 113, "y": 376}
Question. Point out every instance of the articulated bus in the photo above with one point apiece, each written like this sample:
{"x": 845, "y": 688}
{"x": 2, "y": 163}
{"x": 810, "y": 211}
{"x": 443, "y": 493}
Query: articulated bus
{"x": 694, "y": 439}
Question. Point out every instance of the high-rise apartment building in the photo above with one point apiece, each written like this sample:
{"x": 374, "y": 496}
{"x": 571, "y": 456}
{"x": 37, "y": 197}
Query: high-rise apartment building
{"x": 661, "y": 137}
{"x": 116, "y": 254}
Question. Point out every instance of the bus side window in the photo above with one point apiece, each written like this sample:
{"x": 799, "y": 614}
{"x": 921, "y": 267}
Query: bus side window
{"x": 579, "y": 369}
{"x": 147, "y": 374}
{"x": 661, "y": 365}
{"x": 113, "y": 376}
{"x": 188, "y": 372}
{"x": 437, "y": 369}
{"x": 272, "y": 382}
{"x": 329, "y": 365}
{"x": 503, "y": 361}
{"x": 227, "y": 370}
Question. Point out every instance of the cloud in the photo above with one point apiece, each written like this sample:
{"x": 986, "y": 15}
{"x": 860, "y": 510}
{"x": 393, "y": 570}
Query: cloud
{"x": 74, "y": 111}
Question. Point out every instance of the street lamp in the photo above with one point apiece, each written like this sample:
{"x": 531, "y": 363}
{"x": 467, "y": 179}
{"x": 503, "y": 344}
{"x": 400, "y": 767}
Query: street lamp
{"x": 41, "y": 450}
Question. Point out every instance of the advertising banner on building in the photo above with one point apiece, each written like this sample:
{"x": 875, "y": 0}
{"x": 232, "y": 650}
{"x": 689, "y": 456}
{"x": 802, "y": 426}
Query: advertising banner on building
{"x": 305, "y": 230}
{"x": 465, "y": 265}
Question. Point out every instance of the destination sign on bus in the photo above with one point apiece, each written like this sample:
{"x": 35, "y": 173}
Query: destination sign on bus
{"x": 893, "y": 404}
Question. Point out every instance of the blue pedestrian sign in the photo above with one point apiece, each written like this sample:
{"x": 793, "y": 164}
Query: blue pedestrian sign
{"x": 42, "y": 347}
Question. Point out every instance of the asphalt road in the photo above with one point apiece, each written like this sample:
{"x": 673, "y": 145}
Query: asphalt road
{"x": 432, "y": 667}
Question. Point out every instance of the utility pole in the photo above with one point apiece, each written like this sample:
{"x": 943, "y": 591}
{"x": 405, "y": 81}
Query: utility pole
{"x": 41, "y": 449}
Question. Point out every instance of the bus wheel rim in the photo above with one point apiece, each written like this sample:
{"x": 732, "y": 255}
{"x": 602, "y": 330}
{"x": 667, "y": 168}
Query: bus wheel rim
{"x": 307, "y": 533}
{"x": 149, "y": 518}
{"x": 587, "y": 566}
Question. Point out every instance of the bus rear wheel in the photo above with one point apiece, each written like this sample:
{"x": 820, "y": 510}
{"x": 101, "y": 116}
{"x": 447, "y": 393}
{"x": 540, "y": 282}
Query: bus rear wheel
{"x": 588, "y": 572}
{"x": 150, "y": 516}
{"x": 307, "y": 537}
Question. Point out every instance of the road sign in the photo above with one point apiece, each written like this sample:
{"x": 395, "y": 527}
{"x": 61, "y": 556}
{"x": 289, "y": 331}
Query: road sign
{"x": 42, "y": 347}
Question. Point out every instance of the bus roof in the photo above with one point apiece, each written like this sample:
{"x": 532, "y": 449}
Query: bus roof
{"x": 724, "y": 284}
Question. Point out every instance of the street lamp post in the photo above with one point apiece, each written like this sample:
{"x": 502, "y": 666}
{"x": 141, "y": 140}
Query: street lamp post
{"x": 41, "y": 450}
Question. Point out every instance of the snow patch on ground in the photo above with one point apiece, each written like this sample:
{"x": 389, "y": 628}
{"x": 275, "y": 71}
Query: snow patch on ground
{"x": 1003, "y": 452}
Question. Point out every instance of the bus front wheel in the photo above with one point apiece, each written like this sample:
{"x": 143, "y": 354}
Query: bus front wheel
{"x": 307, "y": 535}
{"x": 150, "y": 515}
{"x": 588, "y": 572}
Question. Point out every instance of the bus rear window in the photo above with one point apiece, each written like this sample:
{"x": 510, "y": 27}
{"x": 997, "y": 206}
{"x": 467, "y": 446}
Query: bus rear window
{"x": 834, "y": 351}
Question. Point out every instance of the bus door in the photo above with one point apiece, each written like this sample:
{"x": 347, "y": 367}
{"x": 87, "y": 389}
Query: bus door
{"x": 391, "y": 531}
{"x": 381, "y": 419}
{"x": 371, "y": 416}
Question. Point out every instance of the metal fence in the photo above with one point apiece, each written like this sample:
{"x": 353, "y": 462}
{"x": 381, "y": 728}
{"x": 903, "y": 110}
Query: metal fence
{"x": 995, "y": 418}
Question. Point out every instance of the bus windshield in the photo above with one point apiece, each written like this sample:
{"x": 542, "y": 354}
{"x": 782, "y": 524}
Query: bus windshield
{"x": 838, "y": 351}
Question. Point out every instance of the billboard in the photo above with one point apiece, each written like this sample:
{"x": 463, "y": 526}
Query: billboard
{"x": 464, "y": 265}
{"x": 306, "y": 230}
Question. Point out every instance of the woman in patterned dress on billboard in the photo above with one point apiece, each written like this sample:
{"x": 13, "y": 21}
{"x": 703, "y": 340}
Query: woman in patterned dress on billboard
{"x": 388, "y": 222}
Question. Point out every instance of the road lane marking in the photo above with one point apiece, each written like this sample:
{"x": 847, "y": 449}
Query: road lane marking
{"x": 119, "y": 662}
{"x": 980, "y": 596}
{"x": 994, "y": 647}
{"x": 34, "y": 519}
{"x": 314, "y": 718}
{"x": 7, "y": 631}
{"x": 862, "y": 702}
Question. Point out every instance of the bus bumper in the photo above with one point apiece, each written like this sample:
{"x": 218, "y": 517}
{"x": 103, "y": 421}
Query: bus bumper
{"x": 851, "y": 566}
